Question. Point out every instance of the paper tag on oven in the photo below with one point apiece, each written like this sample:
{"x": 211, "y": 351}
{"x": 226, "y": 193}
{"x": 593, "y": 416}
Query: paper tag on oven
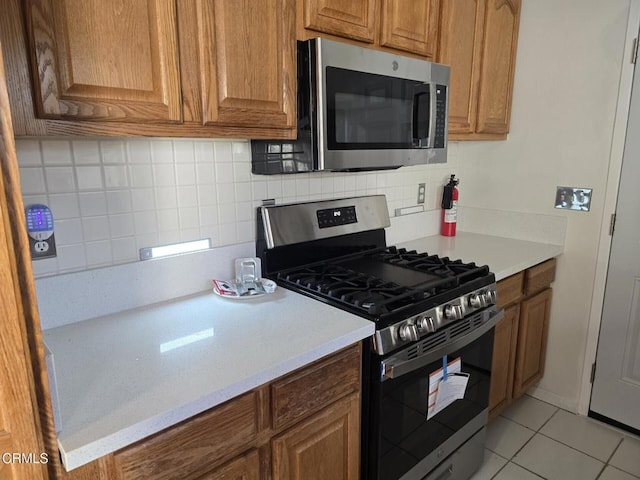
{"x": 451, "y": 389}
{"x": 436, "y": 380}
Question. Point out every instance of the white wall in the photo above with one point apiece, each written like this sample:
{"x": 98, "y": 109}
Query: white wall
{"x": 566, "y": 86}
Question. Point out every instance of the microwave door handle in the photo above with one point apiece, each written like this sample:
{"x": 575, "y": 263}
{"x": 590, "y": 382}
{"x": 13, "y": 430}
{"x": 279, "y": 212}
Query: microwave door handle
{"x": 418, "y": 141}
{"x": 433, "y": 115}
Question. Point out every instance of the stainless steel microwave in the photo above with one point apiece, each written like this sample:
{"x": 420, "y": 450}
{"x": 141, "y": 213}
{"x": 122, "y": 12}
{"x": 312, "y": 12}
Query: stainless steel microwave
{"x": 361, "y": 109}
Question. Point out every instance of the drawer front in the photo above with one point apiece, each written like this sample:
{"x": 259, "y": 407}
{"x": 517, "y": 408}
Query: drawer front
{"x": 510, "y": 289}
{"x": 539, "y": 277}
{"x": 312, "y": 388}
{"x": 194, "y": 446}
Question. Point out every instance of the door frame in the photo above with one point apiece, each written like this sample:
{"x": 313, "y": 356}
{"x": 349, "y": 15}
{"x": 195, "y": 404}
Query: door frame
{"x": 610, "y": 201}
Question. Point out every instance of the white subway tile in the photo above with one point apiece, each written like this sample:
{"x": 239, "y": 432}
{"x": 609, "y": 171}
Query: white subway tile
{"x": 244, "y": 211}
{"x": 187, "y": 196}
{"x": 204, "y": 152}
{"x": 223, "y": 152}
{"x": 124, "y": 249}
{"x": 228, "y": 234}
{"x": 96, "y": 228}
{"x": 168, "y": 237}
{"x": 119, "y": 201}
{"x": 89, "y": 178}
{"x": 112, "y": 151}
{"x": 143, "y": 199}
{"x": 184, "y": 151}
{"x": 227, "y": 213}
{"x": 361, "y": 181}
{"x": 208, "y": 216}
{"x": 205, "y": 174}
{"x": 241, "y": 171}
{"x": 121, "y": 225}
{"x": 188, "y": 218}
{"x": 190, "y": 234}
{"x": 139, "y": 151}
{"x": 146, "y": 240}
{"x": 168, "y": 221}
{"x": 69, "y": 231}
{"x": 212, "y": 233}
{"x": 141, "y": 176}
{"x": 226, "y": 193}
{"x": 274, "y": 187}
{"x": 185, "y": 174}
{"x": 302, "y": 185}
{"x": 207, "y": 195}
{"x": 64, "y": 205}
{"x": 71, "y": 257}
{"x": 338, "y": 184}
{"x": 32, "y": 180}
{"x": 59, "y": 180}
{"x": 259, "y": 190}
{"x": 350, "y": 183}
{"x": 92, "y": 203}
{"x": 164, "y": 175}
{"x": 315, "y": 185}
{"x": 241, "y": 148}
{"x": 98, "y": 253}
{"x": 45, "y": 266}
{"x": 56, "y": 152}
{"x": 243, "y": 192}
{"x": 326, "y": 186}
{"x": 224, "y": 172}
{"x": 116, "y": 176}
{"x": 86, "y": 152}
{"x": 289, "y": 188}
{"x": 162, "y": 151}
{"x": 35, "y": 199}
{"x": 245, "y": 231}
{"x": 28, "y": 153}
{"x": 145, "y": 223}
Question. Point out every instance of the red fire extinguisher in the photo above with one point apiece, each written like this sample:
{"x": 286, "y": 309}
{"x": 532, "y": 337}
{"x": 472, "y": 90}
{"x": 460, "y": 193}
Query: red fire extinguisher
{"x": 449, "y": 208}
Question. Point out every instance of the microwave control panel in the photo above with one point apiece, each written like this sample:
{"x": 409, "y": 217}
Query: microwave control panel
{"x": 332, "y": 217}
{"x": 441, "y": 116}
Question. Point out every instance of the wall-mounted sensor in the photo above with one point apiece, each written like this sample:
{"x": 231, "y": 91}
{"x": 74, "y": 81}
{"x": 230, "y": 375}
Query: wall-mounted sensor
{"x": 572, "y": 198}
{"x": 42, "y": 242}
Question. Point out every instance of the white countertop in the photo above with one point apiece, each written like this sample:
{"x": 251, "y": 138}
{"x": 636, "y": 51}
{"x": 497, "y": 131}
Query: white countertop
{"x": 504, "y": 256}
{"x": 123, "y": 377}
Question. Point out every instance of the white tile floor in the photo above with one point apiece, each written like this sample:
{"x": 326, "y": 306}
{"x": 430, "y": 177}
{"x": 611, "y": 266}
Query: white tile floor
{"x": 533, "y": 440}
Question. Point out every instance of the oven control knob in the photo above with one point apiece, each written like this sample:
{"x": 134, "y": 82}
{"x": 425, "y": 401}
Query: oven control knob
{"x": 426, "y": 325}
{"x": 409, "y": 333}
{"x": 453, "y": 312}
{"x": 492, "y": 296}
{"x": 478, "y": 300}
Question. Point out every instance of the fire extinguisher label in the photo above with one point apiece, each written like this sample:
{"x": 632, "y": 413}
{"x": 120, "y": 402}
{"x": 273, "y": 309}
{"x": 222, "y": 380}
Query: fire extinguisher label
{"x": 451, "y": 214}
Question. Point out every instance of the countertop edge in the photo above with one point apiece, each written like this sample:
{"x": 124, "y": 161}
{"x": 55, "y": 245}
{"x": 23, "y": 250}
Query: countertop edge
{"x": 76, "y": 457}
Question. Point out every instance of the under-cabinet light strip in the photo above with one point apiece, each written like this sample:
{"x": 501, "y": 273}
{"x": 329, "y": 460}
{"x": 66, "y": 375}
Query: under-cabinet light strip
{"x": 174, "y": 249}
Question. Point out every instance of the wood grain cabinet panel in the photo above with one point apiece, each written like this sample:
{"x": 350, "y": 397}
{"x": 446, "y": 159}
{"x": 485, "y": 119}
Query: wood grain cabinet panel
{"x": 326, "y": 446}
{"x": 194, "y": 446}
{"x": 354, "y": 19}
{"x": 499, "y": 46}
{"x": 305, "y": 392}
{"x": 245, "y": 467}
{"x": 510, "y": 289}
{"x": 478, "y": 39}
{"x": 107, "y": 61}
{"x": 540, "y": 277}
{"x": 504, "y": 359}
{"x": 247, "y": 62}
{"x": 532, "y": 341}
{"x": 411, "y": 26}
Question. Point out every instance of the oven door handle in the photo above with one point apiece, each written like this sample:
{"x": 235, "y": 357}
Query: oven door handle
{"x": 392, "y": 368}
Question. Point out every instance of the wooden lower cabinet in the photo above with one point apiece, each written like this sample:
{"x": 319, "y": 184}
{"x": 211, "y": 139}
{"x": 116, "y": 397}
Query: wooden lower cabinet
{"x": 304, "y": 425}
{"x": 520, "y": 342}
{"x": 325, "y": 446}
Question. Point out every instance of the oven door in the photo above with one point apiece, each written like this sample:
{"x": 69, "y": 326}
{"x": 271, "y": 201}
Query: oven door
{"x": 405, "y": 441}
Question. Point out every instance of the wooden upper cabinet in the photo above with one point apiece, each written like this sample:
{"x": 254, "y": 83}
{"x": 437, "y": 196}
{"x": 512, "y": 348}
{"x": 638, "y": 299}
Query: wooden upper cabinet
{"x": 462, "y": 24}
{"x": 411, "y": 25}
{"x": 498, "y": 66}
{"x": 354, "y": 19}
{"x": 478, "y": 39}
{"x": 247, "y": 55}
{"x": 107, "y": 61}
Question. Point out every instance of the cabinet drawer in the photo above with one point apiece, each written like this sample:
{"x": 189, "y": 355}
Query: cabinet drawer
{"x": 194, "y": 446}
{"x": 510, "y": 289}
{"x": 539, "y": 277}
{"x": 312, "y": 388}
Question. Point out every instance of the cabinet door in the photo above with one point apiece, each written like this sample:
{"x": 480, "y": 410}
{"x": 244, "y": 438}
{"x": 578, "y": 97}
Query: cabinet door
{"x": 504, "y": 359}
{"x": 532, "y": 341}
{"x": 325, "y": 446}
{"x": 461, "y": 29}
{"x": 411, "y": 26}
{"x": 353, "y": 19}
{"x": 247, "y": 62}
{"x": 498, "y": 66}
{"x": 108, "y": 61}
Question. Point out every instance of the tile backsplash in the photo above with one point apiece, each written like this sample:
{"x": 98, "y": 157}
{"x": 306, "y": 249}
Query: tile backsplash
{"x": 111, "y": 197}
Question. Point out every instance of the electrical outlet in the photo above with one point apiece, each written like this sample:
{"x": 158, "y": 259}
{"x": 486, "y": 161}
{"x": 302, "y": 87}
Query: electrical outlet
{"x": 42, "y": 248}
{"x": 421, "y": 193}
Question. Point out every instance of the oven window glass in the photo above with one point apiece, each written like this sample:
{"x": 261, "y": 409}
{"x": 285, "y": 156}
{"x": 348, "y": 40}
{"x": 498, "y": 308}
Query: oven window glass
{"x": 368, "y": 111}
{"x": 404, "y": 435}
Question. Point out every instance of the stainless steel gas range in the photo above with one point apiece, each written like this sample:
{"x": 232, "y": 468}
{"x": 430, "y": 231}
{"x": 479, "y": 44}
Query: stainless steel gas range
{"x": 427, "y": 369}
